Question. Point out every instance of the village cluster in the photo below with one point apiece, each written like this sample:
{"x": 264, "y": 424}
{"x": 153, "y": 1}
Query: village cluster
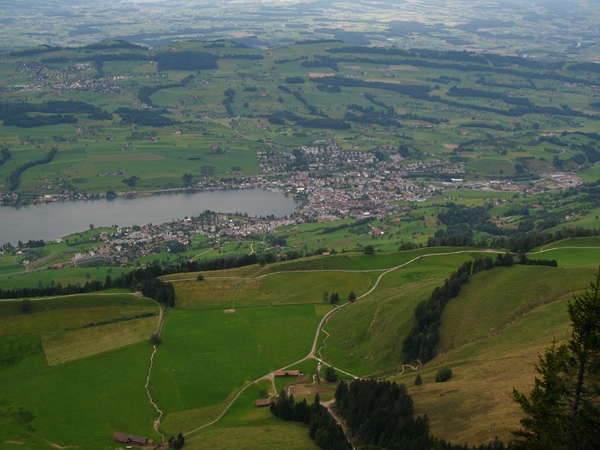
{"x": 328, "y": 183}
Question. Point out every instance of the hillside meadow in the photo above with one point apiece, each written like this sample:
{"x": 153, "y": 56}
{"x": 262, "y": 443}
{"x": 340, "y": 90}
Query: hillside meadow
{"x": 234, "y": 327}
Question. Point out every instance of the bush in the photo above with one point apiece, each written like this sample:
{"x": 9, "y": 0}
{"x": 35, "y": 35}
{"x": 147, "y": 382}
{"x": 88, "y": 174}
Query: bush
{"x": 443, "y": 375}
{"x": 330, "y": 375}
{"x": 200, "y": 277}
{"x": 156, "y": 339}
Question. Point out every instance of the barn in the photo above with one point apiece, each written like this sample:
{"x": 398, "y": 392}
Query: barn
{"x": 261, "y": 402}
{"x": 287, "y": 373}
{"x": 125, "y": 438}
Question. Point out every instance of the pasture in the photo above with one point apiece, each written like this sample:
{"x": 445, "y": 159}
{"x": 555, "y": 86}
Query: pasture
{"x": 268, "y": 290}
{"x": 207, "y": 356}
{"x": 238, "y": 325}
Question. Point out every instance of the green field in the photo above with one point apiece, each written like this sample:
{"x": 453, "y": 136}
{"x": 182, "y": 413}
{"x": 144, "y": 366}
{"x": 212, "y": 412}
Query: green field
{"x": 235, "y": 348}
{"x": 428, "y": 94}
{"x": 236, "y": 326}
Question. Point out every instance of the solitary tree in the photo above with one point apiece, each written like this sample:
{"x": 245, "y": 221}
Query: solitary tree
{"x": 369, "y": 250}
{"x": 330, "y": 375}
{"x": 418, "y": 380}
{"x": 563, "y": 408}
{"x": 352, "y": 296}
{"x": 325, "y": 296}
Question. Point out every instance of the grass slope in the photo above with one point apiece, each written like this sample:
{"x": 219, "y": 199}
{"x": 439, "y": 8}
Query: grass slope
{"x": 207, "y": 356}
{"x": 366, "y": 338}
{"x": 271, "y": 290}
{"x": 82, "y": 402}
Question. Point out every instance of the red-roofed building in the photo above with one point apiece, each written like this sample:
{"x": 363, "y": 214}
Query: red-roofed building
{"x": 287, "y": 373}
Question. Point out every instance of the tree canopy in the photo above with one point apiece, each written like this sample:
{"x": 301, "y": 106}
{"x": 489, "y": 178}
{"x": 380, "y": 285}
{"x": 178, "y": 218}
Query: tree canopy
{"x": 562, "y": 411}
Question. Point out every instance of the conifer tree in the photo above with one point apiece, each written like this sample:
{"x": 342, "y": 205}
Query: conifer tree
{"x": 563, "y": 409}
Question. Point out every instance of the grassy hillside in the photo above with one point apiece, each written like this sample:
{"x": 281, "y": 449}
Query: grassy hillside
{"x": 207, "y": 356}
{"x": 237, "y": 326}
{"x": 86, "y": 356}
{"x": 491, "y": 335}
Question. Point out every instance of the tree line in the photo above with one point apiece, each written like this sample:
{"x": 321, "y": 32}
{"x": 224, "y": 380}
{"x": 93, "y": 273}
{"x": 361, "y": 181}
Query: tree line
{"x": 323, "y": 428}
{"x": 17, "y": 114}
{"x": 145, "y": 280}
{"x": 146, "y": 91}
{"x": 229, "y": 97}
{"x": 35, "y": 51}
{"x": 14, "y": 178}
{"x": 144, "y": 117}
{"x": 380, "y": 415}
{"x": 423, "y": 338}
{"x": 417, "y": 62}
{"x": 5, "y": 155}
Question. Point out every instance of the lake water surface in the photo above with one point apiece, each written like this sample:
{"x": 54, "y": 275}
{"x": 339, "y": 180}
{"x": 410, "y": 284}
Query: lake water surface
{"x": 56, "y": 219}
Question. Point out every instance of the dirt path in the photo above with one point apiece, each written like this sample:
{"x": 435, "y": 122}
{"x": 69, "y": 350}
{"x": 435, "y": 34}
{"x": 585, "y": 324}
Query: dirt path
{"x": 161, "y": 322}
{"x": 411, "y": 366}
{"x": 313, "y": 351}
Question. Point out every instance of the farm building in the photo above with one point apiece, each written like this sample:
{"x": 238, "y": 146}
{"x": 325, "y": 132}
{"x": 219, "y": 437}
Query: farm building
{"x": 131, "y": 439}
{"x": 262, "y": 402}
{"x": 287, "y": 373}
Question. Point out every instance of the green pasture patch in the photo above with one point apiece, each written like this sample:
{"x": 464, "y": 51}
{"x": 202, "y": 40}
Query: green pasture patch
{"x": 571, "y": 257}
{"x": 257, "y": 429}
{"x": 62, "y": 276}
{"x": 14, "y": 437}
{"x": 190, "y": 419}
{"x": 200, "y": 347}
{"x": 583, "y": 242}
{"x": 64, "y": 346}
{"x": 498, "y": 297}
{"x": 359, "y": 262}
{"x": 89, "y": 417}
{"x": 590, "y": 174}
{"x": 366, "y": 337}
{"x": 70, "y": 312}
{"x": 20, "y": 355}
{"x": 273, "y": 289}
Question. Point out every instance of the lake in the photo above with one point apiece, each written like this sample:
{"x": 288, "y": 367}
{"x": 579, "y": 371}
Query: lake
{"x": 57, "y": 219}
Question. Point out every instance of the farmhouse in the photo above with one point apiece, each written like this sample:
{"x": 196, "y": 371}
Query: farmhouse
{"x": 131, "y": 439}
{"x": 261, "y": 402}
{"x": 287, "y": 373}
